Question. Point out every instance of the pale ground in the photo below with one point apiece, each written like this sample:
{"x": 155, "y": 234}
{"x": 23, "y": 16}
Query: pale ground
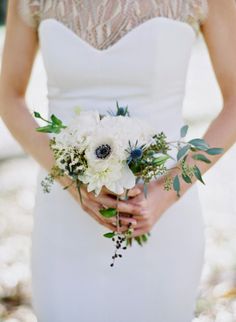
{"x": 217, "y": 300}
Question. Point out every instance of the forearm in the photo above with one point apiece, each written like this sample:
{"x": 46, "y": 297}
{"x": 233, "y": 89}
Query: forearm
{"x": 22, "y": 126}
{"x": 221, "y": 133}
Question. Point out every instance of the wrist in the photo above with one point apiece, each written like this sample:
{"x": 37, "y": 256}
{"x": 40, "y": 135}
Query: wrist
{"x": 69, "y": 185}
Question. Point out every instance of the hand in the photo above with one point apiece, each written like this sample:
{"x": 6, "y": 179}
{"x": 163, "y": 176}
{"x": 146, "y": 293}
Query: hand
{"x": 106, "y": 199}
{"x": 150, "y": 209}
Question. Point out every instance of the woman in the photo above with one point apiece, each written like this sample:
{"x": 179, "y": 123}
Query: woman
{"x": 96, "y": 52}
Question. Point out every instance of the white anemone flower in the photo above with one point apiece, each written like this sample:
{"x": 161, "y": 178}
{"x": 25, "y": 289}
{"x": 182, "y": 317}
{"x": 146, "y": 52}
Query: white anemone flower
{"x": 106, "y": 158}
{"x": 77, "y": 132}
{"x": 129, "y": 129}
{"x": 116, "y": 177}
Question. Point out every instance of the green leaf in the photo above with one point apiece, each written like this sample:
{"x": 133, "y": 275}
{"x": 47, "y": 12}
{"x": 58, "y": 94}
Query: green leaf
{"x": 109, "y": 235}
{"x": 160, "y": 160}
{"x": 186, "y": 178}
{"x": 144, "y": 238}
{"x": 55, "y": 120}
{"x": 45, "y": 129}
{"x": 176, "y": 185}
{"x": 117, "y": 105}
{"x": 49, "y": 129}
{"x": 183, "y": 131}
{"x": 181, "y": 153}
{"x": 215, "y": 151}
{"x": 56, "y": 129}
{"x": 138, "y": 240}
{"x": 199, "y": 144}
{"x": 201, "y": 157}
{"x": 108, "y": 213}
{"x": 129, "y": 241}
{"x": 198, "y": 174}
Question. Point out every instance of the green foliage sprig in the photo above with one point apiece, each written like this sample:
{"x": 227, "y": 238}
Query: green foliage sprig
{"x": 55, "y": 125}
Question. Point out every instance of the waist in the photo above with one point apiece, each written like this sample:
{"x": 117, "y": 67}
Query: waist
{"x": 162, "y": 114}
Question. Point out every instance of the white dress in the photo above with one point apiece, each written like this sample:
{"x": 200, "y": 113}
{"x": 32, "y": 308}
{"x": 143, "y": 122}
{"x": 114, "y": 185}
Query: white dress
{"x": 97, "y": 52}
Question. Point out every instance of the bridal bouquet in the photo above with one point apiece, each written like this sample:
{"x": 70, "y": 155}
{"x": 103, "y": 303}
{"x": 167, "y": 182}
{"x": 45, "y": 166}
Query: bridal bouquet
{"x": 117, "y": 151}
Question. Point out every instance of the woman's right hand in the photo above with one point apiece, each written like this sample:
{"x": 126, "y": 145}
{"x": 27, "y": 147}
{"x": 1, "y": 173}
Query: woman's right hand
{"x": 92, "y": 204}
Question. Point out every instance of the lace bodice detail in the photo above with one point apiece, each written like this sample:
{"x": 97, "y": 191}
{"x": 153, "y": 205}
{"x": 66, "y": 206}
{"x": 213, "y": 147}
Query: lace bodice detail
{"x": 101, "y": 23}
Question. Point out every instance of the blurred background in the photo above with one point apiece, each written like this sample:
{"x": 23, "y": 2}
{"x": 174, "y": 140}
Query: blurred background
{"x": 217, "y": 291}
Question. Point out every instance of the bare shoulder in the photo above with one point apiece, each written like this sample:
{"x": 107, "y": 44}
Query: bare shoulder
{"x": 219, "y": 31}
{"x": 220, "y": 10}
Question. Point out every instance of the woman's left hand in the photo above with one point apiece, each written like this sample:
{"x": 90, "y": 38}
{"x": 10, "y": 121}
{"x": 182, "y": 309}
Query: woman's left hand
{"x": 151, "y": 208}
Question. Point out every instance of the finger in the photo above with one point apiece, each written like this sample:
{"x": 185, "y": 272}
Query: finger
{"x": 143, "y": 216}
{"x": 104, "y": 200}
{"x": 124, "y": 223}
{"x": 141, "y": 224}
{"x": 93, "y": 210}
{"x": 127, "y": 221}
{"x": 121, "y": 206}
{"x": 129, "y": 208}
{"x": 121, "y": 228}
{"x": 134, "y": 192}
{"x": 111, "y": 223}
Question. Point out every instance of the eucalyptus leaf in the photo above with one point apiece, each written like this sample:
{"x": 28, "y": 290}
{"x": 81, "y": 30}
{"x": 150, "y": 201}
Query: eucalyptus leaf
{"x": 109, "y": 235}
{"x": 199, "y": 144}
{"x": 186, "y": 178}
{"x": 198, "y": 174}
{"x": 108, "y": 213}
{"x": 176, "y": 185}
{"x": 215, "y": 151}
{"x": 201, "y": 157}
{"x": 183, "y": 131}
{"x": 182, "y": 152}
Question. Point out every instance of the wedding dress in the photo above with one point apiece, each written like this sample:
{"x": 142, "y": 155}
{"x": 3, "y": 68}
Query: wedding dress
{"x": 96, "y": 52}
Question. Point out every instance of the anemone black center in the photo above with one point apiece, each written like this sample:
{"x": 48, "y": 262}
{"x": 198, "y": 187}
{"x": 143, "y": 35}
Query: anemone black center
{"x": 103, "y": 151}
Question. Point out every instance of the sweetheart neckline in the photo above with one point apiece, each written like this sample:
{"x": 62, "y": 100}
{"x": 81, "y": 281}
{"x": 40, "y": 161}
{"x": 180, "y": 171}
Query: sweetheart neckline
{"x": 119, "y": 41}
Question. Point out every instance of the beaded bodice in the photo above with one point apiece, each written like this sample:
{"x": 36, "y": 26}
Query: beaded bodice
{"x": 101, "y": 23}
